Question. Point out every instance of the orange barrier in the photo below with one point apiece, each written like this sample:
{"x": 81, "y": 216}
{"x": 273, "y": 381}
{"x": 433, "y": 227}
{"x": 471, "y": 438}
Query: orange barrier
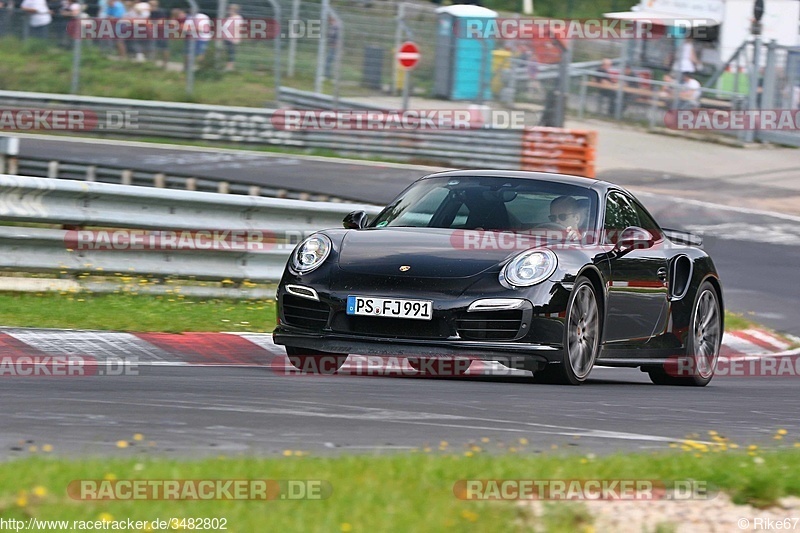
{"x": 559, "y": 150}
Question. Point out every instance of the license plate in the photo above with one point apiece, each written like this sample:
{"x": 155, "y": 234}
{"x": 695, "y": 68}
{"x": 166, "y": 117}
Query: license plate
{"x": 390, "y": 307}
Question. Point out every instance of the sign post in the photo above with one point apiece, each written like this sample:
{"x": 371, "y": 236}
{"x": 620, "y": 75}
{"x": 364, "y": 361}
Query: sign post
{"x": 407, "y": 57}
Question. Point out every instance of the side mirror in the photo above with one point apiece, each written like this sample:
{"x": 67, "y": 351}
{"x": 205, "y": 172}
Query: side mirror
{"x": 355, "y": 220}
{"x": 634, "y": 238}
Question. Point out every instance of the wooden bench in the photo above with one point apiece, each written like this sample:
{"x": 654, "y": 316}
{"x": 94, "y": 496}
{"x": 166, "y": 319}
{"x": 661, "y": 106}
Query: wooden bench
{"x": 645, "y": 97}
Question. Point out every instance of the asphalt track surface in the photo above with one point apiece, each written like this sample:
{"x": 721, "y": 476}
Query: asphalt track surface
{"x": 190, "y": 411}
{"x": 201, "y": 411}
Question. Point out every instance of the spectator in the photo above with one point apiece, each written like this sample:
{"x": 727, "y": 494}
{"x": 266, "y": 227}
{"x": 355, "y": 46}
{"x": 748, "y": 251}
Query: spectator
{"x": 333, "y": 41}
{"x": 124, "y": 14}
{"x": 666, "y": 91}
{"x": 115, "y": 9}
{"x": 235, "y": 25}
{"x": 607, "y": 94}
{"x": 629, "y": 97}
{"x": 40, "y": 17}
{"x": 142, "y": 9}
{"x": 160, "y": 46}
{"x": 686, "y": 62}
{"x": 139, "y": 15}
{"x": 198, "y": 27}
{"x": 691, "y": 90}
{"x": 72, "y": 12}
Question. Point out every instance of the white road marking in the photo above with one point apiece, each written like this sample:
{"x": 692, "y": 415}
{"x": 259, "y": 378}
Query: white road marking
{"x": 100, "y": 344}
{"x": 402, "y": 417}
{"x": 767, "y": 338}
{"x": 741, "y": 346}
{"x": 721, "y": 207}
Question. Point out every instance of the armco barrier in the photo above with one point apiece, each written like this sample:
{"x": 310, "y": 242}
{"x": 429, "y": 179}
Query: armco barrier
{"x": 559, "y": 150}
{"x": 78, "y": 204}
{"x": 475, "y": 148}
{"x": 125, "y": 175}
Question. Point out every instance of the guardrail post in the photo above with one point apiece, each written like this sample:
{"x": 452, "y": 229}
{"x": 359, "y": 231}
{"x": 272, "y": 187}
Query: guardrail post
{"x": 752, "y": 100}
{"x": 91, "y": 173}
{"x": 191, "y": 184}
{"x": 9, "y": 149}
{"x": 52, "y": 169}
{"x": 582, "y": 97}
{"x": 224, "y": 187}
{"x": 160, "y": 180}
{"x": 127, "y": 177}
{"x": 322, "y": 46}
{"x": 11, "y": 164}
{"x": 76, "y": 54}
{"x": 254, "y": 190}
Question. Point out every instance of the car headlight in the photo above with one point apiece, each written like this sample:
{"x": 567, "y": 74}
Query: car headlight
{"x": 311, "y": 253}
{"x": 529, "y": 268}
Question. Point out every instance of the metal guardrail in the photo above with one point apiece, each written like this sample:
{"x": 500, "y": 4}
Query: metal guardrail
{"x": 120, "y": 175}
{"x": 72, "y": 204}
{"x": 492, "y": 148}
{"x": 297, "y": 99}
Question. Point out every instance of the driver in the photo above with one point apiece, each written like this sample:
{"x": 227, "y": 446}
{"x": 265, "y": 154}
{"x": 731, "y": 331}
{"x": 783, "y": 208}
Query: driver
{"x": 566, "y": 211}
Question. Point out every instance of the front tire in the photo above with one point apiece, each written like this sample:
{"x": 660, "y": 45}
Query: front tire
{"x": 582, "y": 327}
{"x": 702, "y": 343}
{"x": 314, "y": 361}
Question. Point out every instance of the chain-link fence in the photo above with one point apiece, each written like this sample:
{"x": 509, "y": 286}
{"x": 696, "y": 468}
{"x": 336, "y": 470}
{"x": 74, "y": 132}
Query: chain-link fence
{"x": 346, "y": 48}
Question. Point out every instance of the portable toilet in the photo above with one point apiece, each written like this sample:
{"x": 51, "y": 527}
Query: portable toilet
{"x": 463, "y": 62}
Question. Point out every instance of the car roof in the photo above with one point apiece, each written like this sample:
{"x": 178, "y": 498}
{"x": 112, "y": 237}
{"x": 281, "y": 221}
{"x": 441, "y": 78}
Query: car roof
{"x": 589, "y": 183}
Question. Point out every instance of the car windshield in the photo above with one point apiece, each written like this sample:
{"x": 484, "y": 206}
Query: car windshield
{"x": 491, "y": 203}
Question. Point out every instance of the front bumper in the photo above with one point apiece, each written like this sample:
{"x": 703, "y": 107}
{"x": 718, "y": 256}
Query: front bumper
{"x": 349, "y": 344}
{"x": 317, "y": 319}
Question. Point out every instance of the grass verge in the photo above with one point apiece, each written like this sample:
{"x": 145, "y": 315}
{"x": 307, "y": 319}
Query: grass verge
{"x": 135, "y": 312}
{"x": 383, "y": 493}
{"x": 127, "y": 311}
{"x": 44, "y": 67}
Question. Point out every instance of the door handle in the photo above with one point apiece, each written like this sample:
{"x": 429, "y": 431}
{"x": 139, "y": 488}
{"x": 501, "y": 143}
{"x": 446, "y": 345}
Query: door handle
{"x": 662, "y": 273}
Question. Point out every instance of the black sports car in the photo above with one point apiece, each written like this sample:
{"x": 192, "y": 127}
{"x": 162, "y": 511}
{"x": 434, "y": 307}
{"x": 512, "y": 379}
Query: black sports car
{"x": 544, "y": 272}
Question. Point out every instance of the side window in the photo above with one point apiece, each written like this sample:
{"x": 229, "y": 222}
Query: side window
{"x": 460, "y": 220}
{"x": 646, "y": 221}
{"x": 620, "y": 214}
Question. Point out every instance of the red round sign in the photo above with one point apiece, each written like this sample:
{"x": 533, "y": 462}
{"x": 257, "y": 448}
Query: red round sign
{"x": 408, "y": 55}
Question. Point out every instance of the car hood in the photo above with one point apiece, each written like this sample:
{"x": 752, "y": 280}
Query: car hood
{"x": 429, "y": 252}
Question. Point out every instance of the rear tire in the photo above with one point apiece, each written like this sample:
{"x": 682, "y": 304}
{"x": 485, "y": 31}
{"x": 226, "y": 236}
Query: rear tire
{"x": 314, "y": 361}
{"x": 702, "y": 343}
{"x": 582, "y": 327}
